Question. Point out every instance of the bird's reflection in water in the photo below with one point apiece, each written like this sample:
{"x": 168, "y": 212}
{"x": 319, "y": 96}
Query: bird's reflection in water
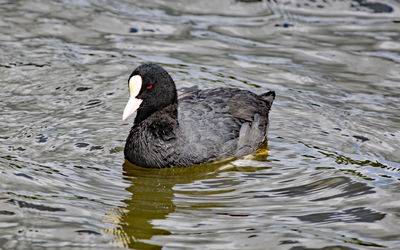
{"x": 152, "y": 198}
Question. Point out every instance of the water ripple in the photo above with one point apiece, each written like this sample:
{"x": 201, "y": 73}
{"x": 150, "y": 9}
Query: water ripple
{"x": 328, "y": 178}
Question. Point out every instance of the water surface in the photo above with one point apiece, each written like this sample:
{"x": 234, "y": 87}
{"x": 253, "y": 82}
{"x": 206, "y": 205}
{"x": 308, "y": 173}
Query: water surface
{"x": 328, "y": 176}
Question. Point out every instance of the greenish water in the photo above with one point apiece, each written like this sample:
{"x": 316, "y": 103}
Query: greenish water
{"x": 329, "y": 175}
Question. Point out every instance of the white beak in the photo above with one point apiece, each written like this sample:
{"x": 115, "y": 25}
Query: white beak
{"x": 135, "y": 84}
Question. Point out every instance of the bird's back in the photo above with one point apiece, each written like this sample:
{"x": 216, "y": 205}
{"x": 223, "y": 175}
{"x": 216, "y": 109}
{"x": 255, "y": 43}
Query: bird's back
{"x": 222, "y": 122}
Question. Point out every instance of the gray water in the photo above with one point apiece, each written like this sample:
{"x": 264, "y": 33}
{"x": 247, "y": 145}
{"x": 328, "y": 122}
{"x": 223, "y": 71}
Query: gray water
{"x": 329, "y": 175}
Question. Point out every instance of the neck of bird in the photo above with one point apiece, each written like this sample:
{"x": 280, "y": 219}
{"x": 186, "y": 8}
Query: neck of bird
{"x": 147, "y": 110}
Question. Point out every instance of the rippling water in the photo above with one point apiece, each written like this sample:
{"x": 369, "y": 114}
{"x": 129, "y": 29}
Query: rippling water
{"x": 329, "y": 176}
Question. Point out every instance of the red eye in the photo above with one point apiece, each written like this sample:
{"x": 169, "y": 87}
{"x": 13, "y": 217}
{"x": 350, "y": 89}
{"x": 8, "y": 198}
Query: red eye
{"x": 150, "y": 86}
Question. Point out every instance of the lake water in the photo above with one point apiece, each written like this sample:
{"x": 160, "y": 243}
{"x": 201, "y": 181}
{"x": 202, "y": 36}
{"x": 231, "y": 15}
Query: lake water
{"x": 329, "y": 177}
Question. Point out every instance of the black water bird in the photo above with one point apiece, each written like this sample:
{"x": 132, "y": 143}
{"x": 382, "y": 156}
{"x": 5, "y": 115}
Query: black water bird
{"x": 197, "y": 127}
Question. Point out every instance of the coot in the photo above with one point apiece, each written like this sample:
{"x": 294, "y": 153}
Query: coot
{"x": 200, "y": 126}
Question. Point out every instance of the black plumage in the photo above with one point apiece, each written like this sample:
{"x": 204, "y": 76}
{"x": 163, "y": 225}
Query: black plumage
{"x": 198, "y": 127}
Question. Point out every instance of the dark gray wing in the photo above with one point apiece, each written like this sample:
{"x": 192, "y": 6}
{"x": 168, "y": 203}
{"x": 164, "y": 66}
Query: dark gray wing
{"x": 222, "y": 122}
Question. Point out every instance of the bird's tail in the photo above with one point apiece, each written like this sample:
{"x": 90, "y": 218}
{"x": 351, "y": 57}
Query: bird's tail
{"x": 268, "y": 97}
